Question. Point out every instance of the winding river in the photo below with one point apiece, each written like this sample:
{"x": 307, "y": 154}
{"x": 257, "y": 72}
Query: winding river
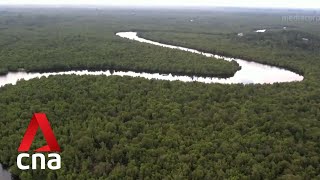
{"x": 250, "y": 73}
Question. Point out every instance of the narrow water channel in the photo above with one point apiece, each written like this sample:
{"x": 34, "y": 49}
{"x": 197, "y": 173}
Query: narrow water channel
{"x": 4, "y": 174}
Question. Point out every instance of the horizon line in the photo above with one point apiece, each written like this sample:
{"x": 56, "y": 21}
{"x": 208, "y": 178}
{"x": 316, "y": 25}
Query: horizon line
{"x": 150, "y": 6}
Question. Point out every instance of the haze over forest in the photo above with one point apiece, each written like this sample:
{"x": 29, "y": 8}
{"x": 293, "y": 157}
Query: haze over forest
{"x": 180, "y": 3}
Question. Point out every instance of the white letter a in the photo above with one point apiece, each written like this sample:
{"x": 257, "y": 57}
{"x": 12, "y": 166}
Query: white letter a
{"x": 57, "y": 160}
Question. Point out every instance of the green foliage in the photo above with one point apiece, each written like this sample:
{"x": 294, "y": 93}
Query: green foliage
{"x": 70, "y": 42}
{"x": 132, "y": 128}
{"x": 280, "y": 48}
{"x": 121, "y": 127}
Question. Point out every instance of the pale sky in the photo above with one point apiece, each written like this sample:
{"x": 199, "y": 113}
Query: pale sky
{"x": 232, "y": 3}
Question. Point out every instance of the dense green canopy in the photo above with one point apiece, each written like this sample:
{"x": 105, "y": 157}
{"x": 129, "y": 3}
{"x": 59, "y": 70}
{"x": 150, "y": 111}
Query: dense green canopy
{"x": 133, "y": 128}
{"x": 42, "y": 43}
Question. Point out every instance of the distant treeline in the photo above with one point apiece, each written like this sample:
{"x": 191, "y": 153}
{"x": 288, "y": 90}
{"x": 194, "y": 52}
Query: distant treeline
{"x": 30, "y": 43}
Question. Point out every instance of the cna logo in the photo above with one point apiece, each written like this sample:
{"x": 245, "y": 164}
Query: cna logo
{"x": 39, "y": 120}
